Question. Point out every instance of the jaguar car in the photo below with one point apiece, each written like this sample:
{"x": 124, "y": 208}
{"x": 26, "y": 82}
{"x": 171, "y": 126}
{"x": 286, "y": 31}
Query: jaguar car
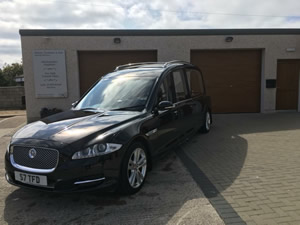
{"x": 112, "y": 135}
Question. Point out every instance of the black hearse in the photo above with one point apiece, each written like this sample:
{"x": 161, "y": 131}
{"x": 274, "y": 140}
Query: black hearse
{"x": 109, "y": 138}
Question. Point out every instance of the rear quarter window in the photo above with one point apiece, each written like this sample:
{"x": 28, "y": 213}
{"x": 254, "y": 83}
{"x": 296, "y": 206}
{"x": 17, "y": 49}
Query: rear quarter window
{"x": 179, "y": 85}
{"x": 195, "y": 82}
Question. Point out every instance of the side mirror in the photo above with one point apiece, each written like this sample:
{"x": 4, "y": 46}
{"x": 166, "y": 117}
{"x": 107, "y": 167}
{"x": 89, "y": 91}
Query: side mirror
{"x": 74, "y": 103}
{"x": 164, "y": 105}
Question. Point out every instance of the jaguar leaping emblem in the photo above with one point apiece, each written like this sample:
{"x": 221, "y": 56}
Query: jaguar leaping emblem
{"x": 32, "y": 153}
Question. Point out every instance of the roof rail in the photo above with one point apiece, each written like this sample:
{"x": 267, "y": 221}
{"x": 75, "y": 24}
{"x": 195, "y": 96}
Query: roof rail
{"x": 163, "y": 64}
{"x": 176, "y": 61}
{"x": 132, "y": 65}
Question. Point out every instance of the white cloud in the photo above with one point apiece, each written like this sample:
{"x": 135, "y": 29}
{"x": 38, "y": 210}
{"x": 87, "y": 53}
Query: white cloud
{"x": 139, "y": 14}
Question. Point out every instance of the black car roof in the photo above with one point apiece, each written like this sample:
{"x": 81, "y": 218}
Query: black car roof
{"x": 145, "y": 69}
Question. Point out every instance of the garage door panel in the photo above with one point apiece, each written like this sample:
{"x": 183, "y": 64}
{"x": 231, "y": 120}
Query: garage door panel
{"x": 287, "y": 75}
{"x": 232, "y": 75}
{"x": 241, "y": 57}
{"x": 227, "y": 83}
{"x": 232, "y": 78}
{"x": 286, "y": 100}
{"x": 228, "y": 100}
{"x": 94, "y": 64}
{"x": 288, "y": 72}
{"x": 233, "y": 92}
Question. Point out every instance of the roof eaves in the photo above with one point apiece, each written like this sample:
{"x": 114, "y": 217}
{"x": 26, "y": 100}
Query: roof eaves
{"x": 161, "y": 32}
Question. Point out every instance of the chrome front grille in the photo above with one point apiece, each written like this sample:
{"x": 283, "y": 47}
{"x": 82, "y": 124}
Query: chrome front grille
{"x": 44, "y": 159}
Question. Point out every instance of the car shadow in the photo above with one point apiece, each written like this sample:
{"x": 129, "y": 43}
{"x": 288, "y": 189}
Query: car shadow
{"x": 220, "y": 155}
{"x": 167, "y": 191}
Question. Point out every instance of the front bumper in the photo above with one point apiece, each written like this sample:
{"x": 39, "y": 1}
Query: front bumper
{"x": 75, "y": 175}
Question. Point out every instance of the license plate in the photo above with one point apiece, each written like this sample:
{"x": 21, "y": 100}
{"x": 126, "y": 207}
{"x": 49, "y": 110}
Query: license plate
{"x": 31, "y": 178}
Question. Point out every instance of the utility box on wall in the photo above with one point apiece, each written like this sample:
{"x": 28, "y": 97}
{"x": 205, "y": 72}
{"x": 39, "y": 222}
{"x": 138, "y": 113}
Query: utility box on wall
{"x": 271, "y": 83}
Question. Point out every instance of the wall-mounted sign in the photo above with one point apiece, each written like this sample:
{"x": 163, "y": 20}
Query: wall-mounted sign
{"x": 49, "y": 69}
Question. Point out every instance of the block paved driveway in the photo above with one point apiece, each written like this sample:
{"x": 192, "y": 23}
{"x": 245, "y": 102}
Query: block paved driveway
{"x": 252, "y": 166}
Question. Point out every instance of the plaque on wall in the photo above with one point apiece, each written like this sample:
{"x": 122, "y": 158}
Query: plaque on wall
{"x": 49, "y": 68}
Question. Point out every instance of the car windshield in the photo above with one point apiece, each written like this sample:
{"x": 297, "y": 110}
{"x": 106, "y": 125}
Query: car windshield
{"x": 118, "y": 93}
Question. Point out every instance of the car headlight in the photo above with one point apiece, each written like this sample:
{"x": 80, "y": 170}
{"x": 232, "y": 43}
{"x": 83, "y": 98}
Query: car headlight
{"x": 96, "y": 150}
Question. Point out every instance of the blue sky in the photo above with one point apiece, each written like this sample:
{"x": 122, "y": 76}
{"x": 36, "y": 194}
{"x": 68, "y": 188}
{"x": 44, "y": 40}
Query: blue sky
{"x": 138, "y": 14}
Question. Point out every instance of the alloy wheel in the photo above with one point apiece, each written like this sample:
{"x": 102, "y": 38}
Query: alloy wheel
{"x": 137, "y": 167}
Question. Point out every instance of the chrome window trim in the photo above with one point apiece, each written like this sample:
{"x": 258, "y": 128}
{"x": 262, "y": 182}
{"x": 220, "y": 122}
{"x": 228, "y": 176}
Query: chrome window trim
{"x": 89, "y": 181}
{"x": 30, "y": 169}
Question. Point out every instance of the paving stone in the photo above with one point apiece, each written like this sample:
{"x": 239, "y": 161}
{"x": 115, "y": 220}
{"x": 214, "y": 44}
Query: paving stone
{"x": 253, "y": 161}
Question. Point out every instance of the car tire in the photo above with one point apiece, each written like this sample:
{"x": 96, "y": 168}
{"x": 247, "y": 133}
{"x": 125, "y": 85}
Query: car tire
{"x": 134, "y": 169}
{"x": 205, "y": 128}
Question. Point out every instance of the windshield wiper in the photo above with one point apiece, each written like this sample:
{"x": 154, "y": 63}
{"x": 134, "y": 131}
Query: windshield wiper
{"x": 129, "y": 107}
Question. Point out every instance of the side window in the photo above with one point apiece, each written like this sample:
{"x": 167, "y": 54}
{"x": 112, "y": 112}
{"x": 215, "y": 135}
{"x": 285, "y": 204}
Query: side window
{"x": 179, "y": 85}
{"x": 162, "y": 94}
{"x": 195, "y": 82}
{"x": 170, "y": 88}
